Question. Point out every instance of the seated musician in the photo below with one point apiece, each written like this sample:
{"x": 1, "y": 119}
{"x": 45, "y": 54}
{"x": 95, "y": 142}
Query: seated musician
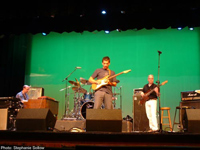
{"x": 23, "y": 96}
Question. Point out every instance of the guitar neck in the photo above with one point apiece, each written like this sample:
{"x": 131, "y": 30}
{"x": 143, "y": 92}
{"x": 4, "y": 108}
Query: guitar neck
{"x": 114, "y": 75}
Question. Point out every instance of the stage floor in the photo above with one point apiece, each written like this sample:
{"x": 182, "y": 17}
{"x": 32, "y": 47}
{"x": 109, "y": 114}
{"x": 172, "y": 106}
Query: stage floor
{"x": 98, "y": 140}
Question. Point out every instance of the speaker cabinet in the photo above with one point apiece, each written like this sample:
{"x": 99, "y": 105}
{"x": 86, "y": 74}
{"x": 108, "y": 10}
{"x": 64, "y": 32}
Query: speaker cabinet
{"x": 108, "y": 120}
{"x": 3, "y": 119}
{"x": 195, "y": 104}
{"x": 35, "y": 119}
{"x": 192, "y": 120}
{"x": 140, "y": 120}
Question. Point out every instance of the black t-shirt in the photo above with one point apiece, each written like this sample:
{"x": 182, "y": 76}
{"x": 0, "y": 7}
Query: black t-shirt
{"x": 147, "y": 88}
{"x": 101, "y": 73}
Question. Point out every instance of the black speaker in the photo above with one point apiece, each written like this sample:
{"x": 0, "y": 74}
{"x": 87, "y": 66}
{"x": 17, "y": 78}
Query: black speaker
{"x": 192, "y": 121}
{"x": 195, "y": 104}
{"x": 108, "y": 120}
{"x": 140, "y": 120}
{"x": 35, "y": 119}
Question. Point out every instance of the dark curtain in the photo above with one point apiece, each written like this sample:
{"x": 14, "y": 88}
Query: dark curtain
{"x": 13, "y": 50}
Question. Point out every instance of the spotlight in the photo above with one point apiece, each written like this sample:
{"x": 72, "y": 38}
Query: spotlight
{"x": 103, "y": 12}
{"x": 44, "y": 34}
{"x": 119, "y": 30}
{"x": 123, "y": 12}
{"x": 107, "y": 32}
{"x": 179, "y": 28}
{"x": 191, "y": 28}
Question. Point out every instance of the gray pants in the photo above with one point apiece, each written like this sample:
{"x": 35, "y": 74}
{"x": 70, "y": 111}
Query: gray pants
{"x": 100, "y": 97}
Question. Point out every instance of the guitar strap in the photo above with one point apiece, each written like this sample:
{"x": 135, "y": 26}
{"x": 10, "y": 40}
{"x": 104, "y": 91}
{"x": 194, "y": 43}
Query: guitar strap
{"x": 109, "y": 72}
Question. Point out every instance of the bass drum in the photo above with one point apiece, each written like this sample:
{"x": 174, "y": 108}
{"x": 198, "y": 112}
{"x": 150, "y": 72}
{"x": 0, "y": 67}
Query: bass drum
{"x": 86, "y": 105}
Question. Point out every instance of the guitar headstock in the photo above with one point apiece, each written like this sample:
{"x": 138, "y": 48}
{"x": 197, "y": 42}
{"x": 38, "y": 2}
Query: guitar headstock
{"x": 163, "y": 83}
{"x": 126, "y": 71}
{"x": 197, "y": 91}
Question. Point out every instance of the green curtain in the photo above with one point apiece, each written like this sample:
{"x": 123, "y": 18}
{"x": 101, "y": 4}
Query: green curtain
{"x": 51, "y": 58}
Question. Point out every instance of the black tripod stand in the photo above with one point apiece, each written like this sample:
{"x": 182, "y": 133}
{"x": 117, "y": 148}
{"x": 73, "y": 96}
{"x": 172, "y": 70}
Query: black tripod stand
{"x": 66, "y": 111}
{"x": 158, "y": 84}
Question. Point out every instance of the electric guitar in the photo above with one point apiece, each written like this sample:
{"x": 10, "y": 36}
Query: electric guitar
{"x": 146, "y": 95}
{"x": 103, "y": 83}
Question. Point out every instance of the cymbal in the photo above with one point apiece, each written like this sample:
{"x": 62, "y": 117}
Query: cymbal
{"x": 84, "y": 81}
{"x": 74, "y": 83}
{"x": 81, "y": 90}
{"x": 77, "y": 81}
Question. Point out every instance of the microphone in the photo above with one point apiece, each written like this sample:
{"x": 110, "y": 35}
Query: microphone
{"x": 159, "y": 52}
{"x": 78, "y": 67}
{"x": 65, "y": 88}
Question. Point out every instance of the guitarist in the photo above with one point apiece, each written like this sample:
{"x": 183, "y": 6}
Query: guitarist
{"x": 103, "y": 94}
{"x": 151, "y": 103}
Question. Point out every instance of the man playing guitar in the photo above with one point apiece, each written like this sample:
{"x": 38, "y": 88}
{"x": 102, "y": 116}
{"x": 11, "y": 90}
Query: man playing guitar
{"x": 104, "y": 93}
{"x": 151, "y": 103}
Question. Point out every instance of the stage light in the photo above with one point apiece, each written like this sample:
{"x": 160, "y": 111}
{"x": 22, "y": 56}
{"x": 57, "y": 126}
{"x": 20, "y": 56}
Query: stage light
{"x": 123, "y": 12}
{"x": 107, "y": 32}
{"x": 44, "y": 34}
{"x": 103, "y": 12}
{"x": 191, "y": 28}
{"x": 179, "y": 28}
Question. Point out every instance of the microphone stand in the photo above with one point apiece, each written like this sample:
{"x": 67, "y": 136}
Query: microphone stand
{"x": 158, "y": 84}
{"x": 66, "y": 111}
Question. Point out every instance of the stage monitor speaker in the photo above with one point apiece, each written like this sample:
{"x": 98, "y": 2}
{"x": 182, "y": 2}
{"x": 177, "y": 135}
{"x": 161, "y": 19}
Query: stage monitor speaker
{"x": 192, "y": 120}
{"x": 35, "y": 92}
{"x": 35, "y": 120}
{"x": 140, "y": 120}
{"x": 3, "y": 119}
{"x": 108, "y": 120}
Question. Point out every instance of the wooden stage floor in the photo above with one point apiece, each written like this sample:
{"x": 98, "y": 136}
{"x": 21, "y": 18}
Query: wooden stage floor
{"x": 98, "y": 140}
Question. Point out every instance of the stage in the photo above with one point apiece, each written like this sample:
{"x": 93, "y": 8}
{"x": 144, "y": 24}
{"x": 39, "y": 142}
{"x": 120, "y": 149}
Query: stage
{"x": 98, "y": 140}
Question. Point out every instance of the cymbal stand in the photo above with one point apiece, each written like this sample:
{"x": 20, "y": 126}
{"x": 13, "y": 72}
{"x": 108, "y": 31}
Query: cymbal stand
{"x": 115, "y": 98}
{"x": 78, "y": 109}
{"x": 66, "y": 114}
{"x": 120, "y": 88}
{"x": 75, "y": 105}
{"x": 68, "y": 111}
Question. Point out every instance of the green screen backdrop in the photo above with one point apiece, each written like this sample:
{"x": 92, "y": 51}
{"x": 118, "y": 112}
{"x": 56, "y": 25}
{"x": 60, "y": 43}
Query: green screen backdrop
{"x": 51, "y": 58}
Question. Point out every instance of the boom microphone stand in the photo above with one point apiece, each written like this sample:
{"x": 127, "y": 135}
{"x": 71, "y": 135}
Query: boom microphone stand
{"x": 158, "y": 84}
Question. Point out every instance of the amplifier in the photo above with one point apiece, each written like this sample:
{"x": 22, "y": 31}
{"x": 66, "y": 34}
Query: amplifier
{"x": 190, "y": 95}
{"x": 140, "y": 121}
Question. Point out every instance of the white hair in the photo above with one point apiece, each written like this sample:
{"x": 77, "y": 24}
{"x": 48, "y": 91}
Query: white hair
{"x": 26, "y": 86}
{"x": 150, "y": 75}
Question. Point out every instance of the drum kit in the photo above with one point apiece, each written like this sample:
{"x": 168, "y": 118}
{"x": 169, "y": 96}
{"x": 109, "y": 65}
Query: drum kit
{"x": 83, "y": 99}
